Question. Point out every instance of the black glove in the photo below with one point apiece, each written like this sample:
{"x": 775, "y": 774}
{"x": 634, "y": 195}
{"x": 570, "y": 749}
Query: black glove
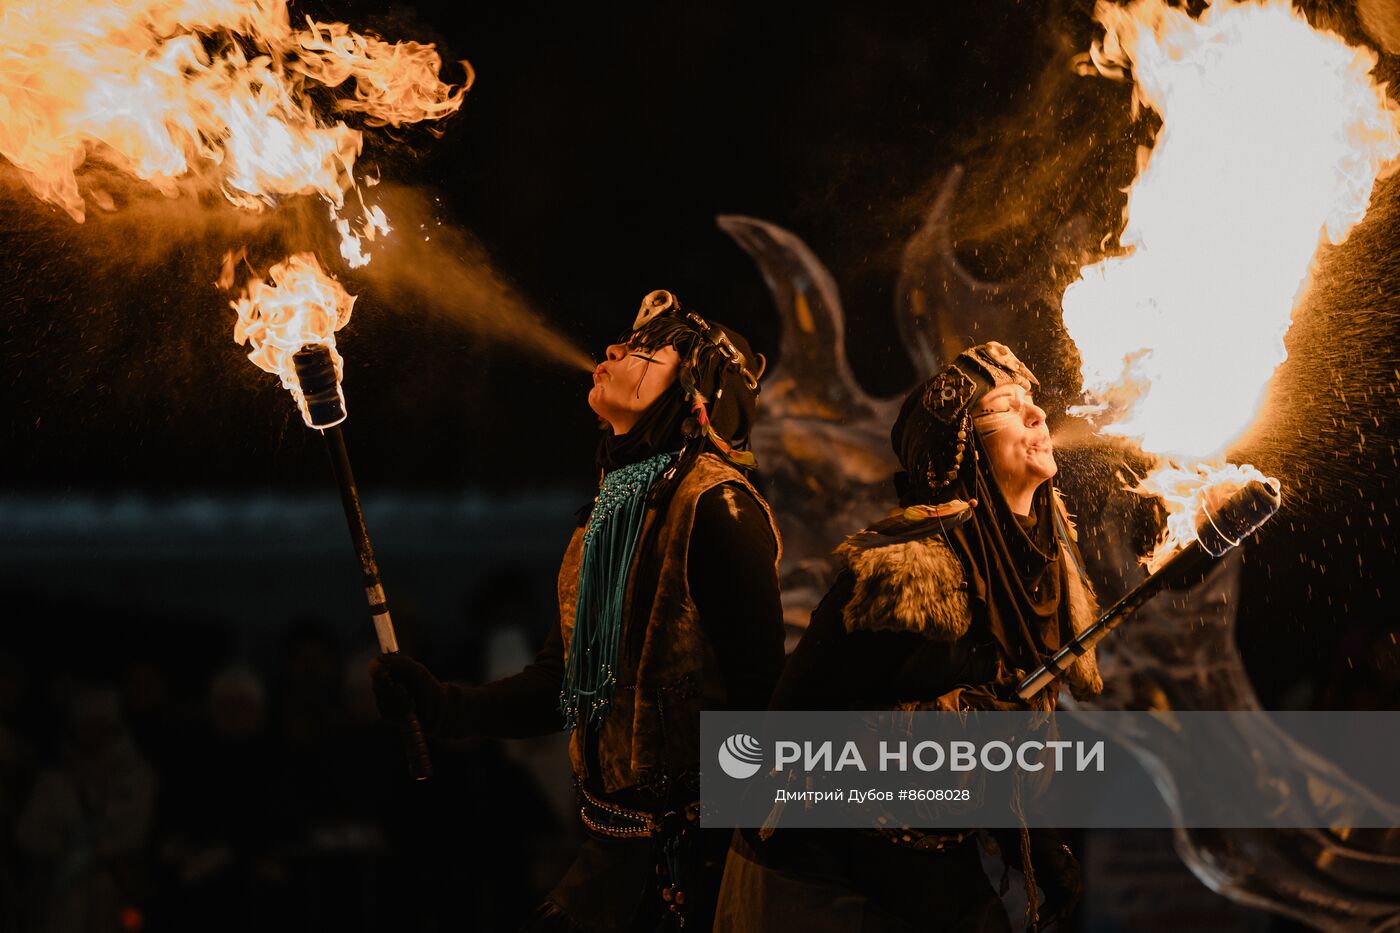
{"x": 1057, "y": 874}
{"x": 403, "y": 686}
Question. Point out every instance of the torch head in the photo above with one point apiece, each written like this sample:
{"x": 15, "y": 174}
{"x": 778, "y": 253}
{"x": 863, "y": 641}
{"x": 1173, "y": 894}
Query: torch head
{"x": 323, "y": 404}
{"x": 1239, "y": 516}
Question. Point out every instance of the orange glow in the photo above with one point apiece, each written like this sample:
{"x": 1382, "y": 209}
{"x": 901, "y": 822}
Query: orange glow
{"x": 204, "y": 94}
{"x": 301, "y": 305}
{"x": 1187, "y": 493}
{"x": 1273, "y": 135}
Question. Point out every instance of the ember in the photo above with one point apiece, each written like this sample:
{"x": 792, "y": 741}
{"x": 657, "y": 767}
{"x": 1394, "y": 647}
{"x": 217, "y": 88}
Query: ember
{"x": 1227, "y": 519}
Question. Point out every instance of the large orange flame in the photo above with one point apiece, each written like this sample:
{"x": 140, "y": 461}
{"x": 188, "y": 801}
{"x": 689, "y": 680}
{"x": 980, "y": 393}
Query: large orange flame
{"x": 301, "y": 305}
{"x": 212, "y": 92}
{"x": 1273, "y": 134}
{"x": 215, "y": 94}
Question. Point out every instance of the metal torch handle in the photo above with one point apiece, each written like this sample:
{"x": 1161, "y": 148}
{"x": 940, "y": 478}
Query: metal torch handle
{"x": 420, "y": 765}
{"x": 1236, "y": 519}
{"x": 1181, "y": 565}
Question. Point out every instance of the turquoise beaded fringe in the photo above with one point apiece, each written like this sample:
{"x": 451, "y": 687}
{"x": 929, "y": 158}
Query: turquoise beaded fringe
{"x": 608, "y": 544}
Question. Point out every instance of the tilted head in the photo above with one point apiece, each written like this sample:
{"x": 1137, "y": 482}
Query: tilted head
{"x": 984, "y": 401}
{"x": 669, "y": 352}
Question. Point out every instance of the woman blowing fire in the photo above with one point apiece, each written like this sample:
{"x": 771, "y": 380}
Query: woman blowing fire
{"x": 668, "y": 604}
{"x": 943, "y": 606}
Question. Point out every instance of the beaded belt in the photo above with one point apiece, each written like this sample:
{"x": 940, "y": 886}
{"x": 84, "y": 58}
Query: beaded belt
{"x": 618, "y": 822}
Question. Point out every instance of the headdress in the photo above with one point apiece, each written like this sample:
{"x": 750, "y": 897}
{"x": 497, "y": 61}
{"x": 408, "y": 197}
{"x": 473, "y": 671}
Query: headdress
{"x": 933, "y": 433}
{"x": 718, "y": 374}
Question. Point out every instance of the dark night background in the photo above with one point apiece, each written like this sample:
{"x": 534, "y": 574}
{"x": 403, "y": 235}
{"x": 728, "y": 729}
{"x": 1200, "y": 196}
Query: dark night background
{"x": 170, "y": 526}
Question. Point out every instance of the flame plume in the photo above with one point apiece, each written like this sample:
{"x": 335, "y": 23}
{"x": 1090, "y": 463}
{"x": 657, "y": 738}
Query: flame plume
{"x": 1273, "y": 135}
{"x": 215, "y": 95}
{"x": 395, "y": 83}
{"x": 207, "y": 93}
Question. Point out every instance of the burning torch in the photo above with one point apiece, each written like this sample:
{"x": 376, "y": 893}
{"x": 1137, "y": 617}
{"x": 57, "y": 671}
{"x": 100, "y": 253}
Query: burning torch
{"x": 324, "y": 410}
{"x": 1220, "y": 530}
{"x": 290, "y": 323}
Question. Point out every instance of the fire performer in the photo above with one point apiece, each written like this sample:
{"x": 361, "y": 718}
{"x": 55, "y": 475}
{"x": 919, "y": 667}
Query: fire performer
{"x": 668, "y": 603}
{"x": 943, "y": 606}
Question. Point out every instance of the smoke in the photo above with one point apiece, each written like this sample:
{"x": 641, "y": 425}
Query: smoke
{"x": 425, "y": 264}
{"x": 1381, "y": 18}
{"x": 147, "y": 119}
{"x": 428, "y": 264}
{"x": 1062, "y": 150}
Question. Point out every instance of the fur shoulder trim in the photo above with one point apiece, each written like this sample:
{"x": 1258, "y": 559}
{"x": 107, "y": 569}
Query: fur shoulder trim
{"x": 905, "y": 584}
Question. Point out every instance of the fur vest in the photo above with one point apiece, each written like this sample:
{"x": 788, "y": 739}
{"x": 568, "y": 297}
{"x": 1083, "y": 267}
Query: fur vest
{"x": 907, "y": 579}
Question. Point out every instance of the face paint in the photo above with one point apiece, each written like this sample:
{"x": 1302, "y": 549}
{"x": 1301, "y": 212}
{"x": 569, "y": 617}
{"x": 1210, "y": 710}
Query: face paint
{"x": 1004, "y": 410}
{"x": 646, "y": 367}
{"x": 627, "y": 382}
{"x": 667, "y": 345}
{"x": 1013, "y": 435}
{"x": 992, "y": 422}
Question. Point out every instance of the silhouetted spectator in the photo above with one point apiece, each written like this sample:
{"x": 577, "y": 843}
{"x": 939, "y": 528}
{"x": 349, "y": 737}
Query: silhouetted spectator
{"x": 85, "y": 825}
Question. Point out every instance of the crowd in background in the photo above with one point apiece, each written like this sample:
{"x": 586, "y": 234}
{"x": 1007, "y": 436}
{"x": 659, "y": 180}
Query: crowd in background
{"x": 158, "y": 777}
{"x": 172, "y": 774}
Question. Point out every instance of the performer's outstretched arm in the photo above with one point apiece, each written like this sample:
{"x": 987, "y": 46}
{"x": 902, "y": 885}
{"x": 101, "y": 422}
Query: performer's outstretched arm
{"x": 733, "y": 581}
{"x": 515, "y": 707}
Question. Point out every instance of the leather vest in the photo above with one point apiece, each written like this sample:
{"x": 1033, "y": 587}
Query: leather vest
{"x": 667, "y": 671}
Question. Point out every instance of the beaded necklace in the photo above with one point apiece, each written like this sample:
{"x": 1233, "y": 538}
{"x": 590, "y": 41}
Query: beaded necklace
{"x": 608, "y": 543}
